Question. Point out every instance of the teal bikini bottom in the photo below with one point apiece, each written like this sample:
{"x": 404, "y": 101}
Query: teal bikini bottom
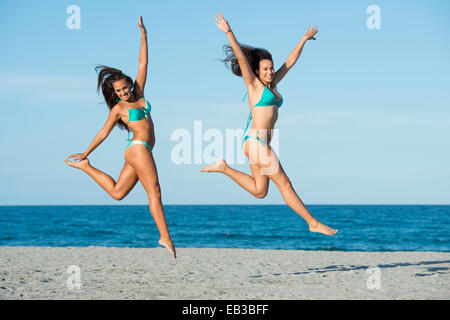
{"x": 133, "y": 142}
{"x": 262, "y": 141}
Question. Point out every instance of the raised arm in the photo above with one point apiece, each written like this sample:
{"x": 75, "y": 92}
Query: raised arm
{"x": 113, "y": 118}
{"x": 143, "y": 61}
{"x": 246, "y": 70}
{"x": 295, "y": 54}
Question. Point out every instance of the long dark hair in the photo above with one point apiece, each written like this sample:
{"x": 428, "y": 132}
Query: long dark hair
{"x": 106, "y": 77}
{"x": 253, "y": 55}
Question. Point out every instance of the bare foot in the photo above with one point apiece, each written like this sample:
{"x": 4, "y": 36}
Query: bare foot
{"x": 83, "y": 164}
{"x": 219, "y": 166}
{"x": 169, "y": 245}
{"x": 321, "y": 228}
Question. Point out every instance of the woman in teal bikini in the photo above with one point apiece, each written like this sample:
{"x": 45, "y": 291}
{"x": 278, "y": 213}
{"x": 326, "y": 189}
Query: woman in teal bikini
{"x": 256, "y": 67}
{"x": 130, "y": 111}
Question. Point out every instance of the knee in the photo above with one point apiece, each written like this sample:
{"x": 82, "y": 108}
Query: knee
{"x": 261, "y": 194}
{"x": 118, "y": 195}
{"x": 154, "y": 191}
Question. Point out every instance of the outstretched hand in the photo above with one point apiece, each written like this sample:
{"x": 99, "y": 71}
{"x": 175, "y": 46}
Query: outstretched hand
{"x": 77, "y": 156}
{"x": 141, "y": 25}
{"x": 222, "y": 23}
{"x": 311, "y": 33}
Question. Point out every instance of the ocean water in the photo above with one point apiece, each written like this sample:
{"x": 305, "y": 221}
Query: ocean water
{"x": 361, "y": 227}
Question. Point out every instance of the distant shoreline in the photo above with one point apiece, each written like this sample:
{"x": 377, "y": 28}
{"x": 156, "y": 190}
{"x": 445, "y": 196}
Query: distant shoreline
{"x": 228, "y": 248}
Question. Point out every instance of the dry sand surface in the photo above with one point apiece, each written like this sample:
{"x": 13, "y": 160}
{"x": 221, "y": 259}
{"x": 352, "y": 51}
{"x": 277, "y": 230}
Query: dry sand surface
{"x": 151, "y": 273}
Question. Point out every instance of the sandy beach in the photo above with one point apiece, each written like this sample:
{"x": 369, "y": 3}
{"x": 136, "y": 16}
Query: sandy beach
{"x": 150, "y": 273}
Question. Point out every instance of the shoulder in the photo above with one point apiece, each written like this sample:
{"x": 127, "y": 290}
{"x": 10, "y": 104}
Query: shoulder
{"x": 117, "y": 109}
{"x": 117, "y": 106}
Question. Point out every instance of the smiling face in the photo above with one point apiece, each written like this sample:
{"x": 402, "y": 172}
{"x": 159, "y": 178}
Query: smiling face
{"x": 122, "y": 88}
{"x": 266, "y": 71}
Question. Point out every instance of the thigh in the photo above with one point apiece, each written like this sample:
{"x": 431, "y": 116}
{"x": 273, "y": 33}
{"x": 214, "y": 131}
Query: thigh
{"x": 143, "y": 163}
{"x": 280, "y": 177}
{"x": 263, "y": 157}
{"x": 127, "y": 178}
{"x": 267, "y": 161}
{"x": 261, "y": 179}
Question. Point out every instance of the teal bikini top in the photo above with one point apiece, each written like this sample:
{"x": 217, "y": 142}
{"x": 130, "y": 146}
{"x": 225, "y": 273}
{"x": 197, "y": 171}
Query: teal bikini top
{"x": 136, "y": 114}
{"x": 267, "y": 99}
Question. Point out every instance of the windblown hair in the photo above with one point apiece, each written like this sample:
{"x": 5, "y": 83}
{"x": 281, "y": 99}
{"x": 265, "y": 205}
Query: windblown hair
{"x": 106, "y": 77}
{"x": 253, "y": 55}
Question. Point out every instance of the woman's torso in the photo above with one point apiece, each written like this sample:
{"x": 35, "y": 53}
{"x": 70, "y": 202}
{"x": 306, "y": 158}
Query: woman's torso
{"x": 142, "y": 129}
{"x": 264, "y": 117}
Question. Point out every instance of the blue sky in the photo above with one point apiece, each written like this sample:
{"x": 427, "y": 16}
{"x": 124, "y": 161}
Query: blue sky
{"x": 365, "y": 118}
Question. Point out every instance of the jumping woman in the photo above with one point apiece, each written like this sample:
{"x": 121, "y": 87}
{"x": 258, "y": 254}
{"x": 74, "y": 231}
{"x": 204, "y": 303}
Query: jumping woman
{"x": 130, "y": 111}
{"x": 255, "y": 65}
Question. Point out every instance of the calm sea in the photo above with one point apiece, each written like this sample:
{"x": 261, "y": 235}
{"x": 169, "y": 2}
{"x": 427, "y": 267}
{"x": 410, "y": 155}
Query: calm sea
{"x": 361, "y": 227}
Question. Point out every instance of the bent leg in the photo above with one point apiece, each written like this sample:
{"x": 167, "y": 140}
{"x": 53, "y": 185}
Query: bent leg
{"x": 142, "y": 161}
{"x": 257, "y": 184}
{"x": 118, "y": 190}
